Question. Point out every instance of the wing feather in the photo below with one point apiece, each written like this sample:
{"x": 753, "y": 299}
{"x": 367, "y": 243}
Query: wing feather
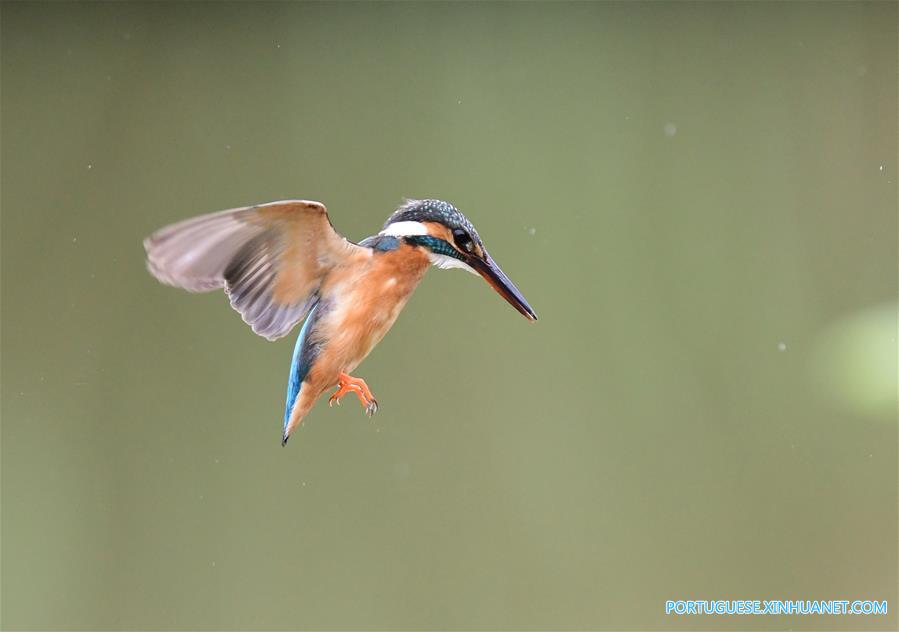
{"x": 270, "y": 259}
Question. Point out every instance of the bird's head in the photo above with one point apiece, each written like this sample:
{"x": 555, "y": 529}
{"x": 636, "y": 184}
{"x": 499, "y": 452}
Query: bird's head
{"x": 451, "y": 241}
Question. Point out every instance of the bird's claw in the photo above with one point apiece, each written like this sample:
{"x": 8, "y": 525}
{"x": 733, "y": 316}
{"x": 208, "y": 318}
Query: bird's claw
{"x": 348, "y": 384}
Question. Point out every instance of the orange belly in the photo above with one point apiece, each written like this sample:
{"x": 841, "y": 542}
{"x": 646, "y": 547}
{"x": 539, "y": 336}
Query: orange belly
{"x": 365, "y": 302}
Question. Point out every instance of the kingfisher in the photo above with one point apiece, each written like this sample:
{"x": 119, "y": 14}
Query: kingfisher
{"x": 283, "y": 263}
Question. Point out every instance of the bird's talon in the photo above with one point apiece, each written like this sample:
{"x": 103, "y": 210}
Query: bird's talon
{"x": 348, "y": 384}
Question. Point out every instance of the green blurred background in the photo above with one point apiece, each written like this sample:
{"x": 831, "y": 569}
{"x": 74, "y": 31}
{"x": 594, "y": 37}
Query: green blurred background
{"x": 699, "y": 200}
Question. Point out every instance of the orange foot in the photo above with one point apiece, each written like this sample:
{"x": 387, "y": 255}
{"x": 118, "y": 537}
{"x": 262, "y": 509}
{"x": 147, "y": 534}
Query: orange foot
{"x": 349, "y": 384}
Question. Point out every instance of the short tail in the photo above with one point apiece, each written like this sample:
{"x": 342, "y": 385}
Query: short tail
{"x": 296, "y": 407}
{"x": 302, "y": 406}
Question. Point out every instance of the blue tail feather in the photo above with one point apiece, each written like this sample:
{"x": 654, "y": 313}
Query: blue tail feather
{"x": 299, "y": 367}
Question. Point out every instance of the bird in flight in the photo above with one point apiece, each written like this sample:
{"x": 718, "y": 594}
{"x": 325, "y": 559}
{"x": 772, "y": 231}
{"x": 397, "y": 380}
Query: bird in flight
{"x": 282, "y": 263}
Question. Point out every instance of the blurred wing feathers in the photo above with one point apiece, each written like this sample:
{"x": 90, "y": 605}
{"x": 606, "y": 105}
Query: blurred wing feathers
{"x": 270, "y": 259}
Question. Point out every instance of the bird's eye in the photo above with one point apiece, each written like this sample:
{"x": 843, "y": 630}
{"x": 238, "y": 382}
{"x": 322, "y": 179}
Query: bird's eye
{"x": 463, "y": 239}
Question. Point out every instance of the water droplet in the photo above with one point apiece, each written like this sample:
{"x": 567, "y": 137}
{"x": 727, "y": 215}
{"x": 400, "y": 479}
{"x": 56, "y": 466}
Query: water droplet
{"x": 670, "y": 129}
{"x": 90, "y": 166}
{"x": 781, "y": 346}
{"x": 532, "y": 231}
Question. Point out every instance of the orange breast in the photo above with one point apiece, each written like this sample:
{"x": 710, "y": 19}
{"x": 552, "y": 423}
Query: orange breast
{"x": 367, "y": 300}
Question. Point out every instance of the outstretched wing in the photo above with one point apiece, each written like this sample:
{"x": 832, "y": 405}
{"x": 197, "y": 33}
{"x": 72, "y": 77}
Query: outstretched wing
{"x": 270, "y": 259}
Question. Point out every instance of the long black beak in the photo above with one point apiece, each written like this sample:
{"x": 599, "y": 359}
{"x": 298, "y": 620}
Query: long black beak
{"x": 488, "y": 269}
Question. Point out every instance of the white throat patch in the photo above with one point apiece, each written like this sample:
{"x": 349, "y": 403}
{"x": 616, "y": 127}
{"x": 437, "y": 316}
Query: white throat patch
{"x": 444, "y": 262}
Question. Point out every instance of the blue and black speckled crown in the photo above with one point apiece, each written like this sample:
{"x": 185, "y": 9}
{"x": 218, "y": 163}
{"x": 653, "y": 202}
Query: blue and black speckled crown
{"x": 433, "y": 211}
